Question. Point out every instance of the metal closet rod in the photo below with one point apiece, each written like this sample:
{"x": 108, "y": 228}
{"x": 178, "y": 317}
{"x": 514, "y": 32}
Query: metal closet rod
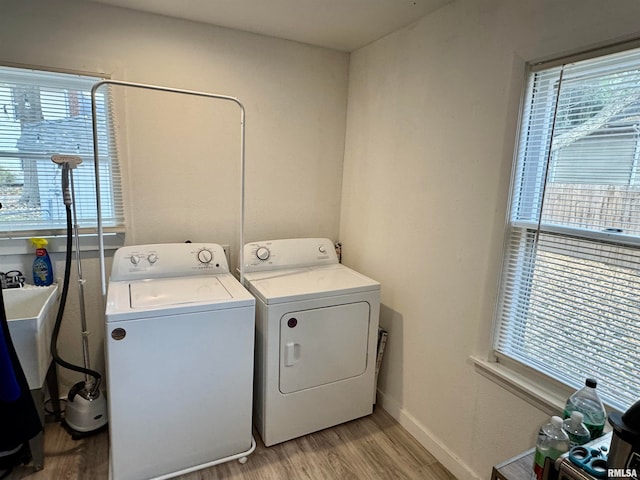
{"x": 97, "y": 174}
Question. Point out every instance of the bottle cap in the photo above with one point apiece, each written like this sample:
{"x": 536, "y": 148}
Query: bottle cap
{"x": 577, "y": 416}
{"x": 39, "y": 242}
{"x": 556, "y": 421}
{"x": 591, "y": 383}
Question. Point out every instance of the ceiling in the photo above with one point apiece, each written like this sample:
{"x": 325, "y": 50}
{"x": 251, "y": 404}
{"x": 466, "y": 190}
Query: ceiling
{"x": 339, "y": 24}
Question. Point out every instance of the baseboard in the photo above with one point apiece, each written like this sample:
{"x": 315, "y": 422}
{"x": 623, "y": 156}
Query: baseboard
{"x": 427, "y": 439}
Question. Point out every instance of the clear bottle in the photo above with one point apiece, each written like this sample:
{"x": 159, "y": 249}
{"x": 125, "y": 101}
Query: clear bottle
{"x": 587, "y": 402}
{"x": 552, "y": 442}
{"x": 576, "y": 430}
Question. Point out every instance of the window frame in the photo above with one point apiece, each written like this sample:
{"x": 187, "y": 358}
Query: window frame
{"x": 11, "y": 239}
{"x": 537, "y": 387}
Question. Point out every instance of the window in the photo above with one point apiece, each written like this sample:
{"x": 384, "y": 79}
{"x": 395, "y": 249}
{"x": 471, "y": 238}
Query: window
{"x": 570, "y": 287}
{"x": 45, "y": 113}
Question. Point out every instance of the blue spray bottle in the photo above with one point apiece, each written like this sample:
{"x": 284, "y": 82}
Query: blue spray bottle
{"x": 42, "y": 268}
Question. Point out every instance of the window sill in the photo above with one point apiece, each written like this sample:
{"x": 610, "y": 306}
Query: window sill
{"x": 58, "y": 244}
{"x": 543, "y": 394}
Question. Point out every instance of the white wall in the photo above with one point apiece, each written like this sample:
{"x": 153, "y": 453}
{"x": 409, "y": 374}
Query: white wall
{"x": 430, "y": 134}
{"x": 180, "y": 158}
{"x": 430, "y": 131}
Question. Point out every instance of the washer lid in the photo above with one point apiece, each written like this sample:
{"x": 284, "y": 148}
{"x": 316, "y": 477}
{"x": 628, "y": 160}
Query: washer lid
{"x": 132, "y": 300}
{"x": 167, "y": 291}
{"x": 278, "y": 286}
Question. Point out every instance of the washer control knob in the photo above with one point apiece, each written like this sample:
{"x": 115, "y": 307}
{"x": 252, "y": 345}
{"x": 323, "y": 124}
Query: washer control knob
{"x": 134, "y": 259}
{"x": 263, "y": 253}
{"x": 321, "y": 249}
{"x": 205, "y": 256}
{"x": 152, "y": 258}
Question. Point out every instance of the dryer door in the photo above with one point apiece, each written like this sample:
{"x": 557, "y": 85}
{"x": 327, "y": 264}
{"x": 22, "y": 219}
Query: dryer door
{"x": 323, "y": 345}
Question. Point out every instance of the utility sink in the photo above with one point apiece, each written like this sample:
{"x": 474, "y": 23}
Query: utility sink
{"x": 31, "y": 312}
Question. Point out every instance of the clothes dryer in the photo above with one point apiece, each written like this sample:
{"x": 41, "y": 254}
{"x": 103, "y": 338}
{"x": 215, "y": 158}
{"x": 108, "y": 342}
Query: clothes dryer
{"x": 316, "y": 337}
{"x": 179, "y": 350}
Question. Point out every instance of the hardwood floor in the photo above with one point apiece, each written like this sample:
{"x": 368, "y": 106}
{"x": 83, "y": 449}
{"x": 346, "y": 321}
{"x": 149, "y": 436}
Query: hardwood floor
{"x": 373, "y": 447}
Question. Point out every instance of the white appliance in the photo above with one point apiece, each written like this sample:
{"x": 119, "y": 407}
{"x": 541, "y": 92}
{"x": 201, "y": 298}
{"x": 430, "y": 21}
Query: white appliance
{"x": 179, "y": 351}
{"x": 316, "y": 337}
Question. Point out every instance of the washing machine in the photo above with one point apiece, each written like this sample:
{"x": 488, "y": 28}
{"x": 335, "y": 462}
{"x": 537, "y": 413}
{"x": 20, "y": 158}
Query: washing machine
{"x": 179, "y": 360}
{"x": 316, "y": 337}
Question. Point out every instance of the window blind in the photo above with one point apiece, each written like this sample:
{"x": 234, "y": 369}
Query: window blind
{"x": 570, "y": 287}
{"x": 46, "y": 113}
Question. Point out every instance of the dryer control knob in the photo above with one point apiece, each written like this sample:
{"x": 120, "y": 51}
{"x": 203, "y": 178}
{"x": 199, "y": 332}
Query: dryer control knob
{"x": 134, "y": 259}
{"x": 152, "y": 258}
{"x": 205, "y": 256}
{"x": 263, "y": 253}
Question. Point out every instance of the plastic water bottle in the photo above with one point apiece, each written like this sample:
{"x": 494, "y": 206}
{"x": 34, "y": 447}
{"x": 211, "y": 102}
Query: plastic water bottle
{"x": 587, "y": 402}
{"x": 576, "y": 430}
{"x": 552, "y": 442}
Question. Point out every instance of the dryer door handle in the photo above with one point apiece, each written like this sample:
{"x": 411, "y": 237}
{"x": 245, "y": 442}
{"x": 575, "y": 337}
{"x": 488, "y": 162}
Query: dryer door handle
{"x": 291, "y": 354}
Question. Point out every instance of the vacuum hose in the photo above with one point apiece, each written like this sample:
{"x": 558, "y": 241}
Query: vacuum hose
{"x": 63, "y": 300}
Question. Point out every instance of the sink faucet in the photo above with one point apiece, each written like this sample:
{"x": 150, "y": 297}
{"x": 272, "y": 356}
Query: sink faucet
{"x": 12, "y": 279}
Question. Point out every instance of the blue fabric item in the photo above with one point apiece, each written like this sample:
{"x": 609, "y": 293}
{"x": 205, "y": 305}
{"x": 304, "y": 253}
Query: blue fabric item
{"x": 19, "y": 419}
{"x": 9, "y": 387}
